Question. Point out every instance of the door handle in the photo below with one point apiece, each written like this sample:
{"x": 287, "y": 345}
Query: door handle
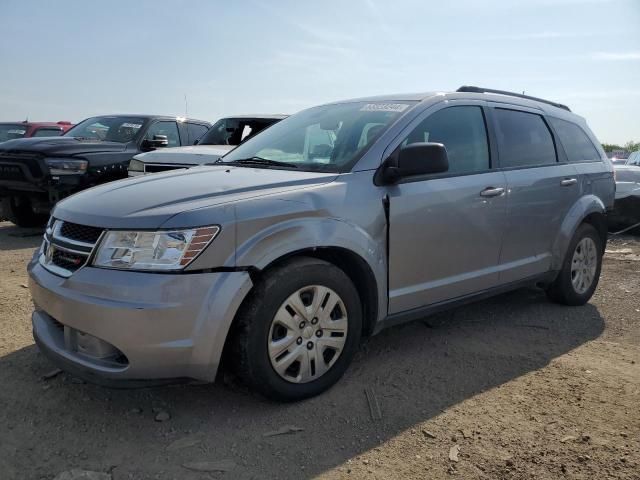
{"x": 568, "y": 182}
{"x": 492, "y": 192}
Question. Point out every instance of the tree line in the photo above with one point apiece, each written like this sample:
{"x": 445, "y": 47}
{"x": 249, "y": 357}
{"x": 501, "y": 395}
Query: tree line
{"x": 630, "y": 146}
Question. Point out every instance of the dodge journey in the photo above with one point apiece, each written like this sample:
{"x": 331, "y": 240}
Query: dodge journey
{"x": 331, "y": 225}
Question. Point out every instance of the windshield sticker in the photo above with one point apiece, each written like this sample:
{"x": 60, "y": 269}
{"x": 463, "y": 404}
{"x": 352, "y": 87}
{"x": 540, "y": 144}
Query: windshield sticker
{"x": 384, "y": 107}
{"x": 132, "y": 125}
{"x": 16, "y": 132}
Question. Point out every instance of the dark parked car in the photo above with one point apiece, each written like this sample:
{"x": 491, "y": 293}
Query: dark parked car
{"x": 223, "y": 136}
{"x": 37, "y": 172}
{"x": 15, "y": 130}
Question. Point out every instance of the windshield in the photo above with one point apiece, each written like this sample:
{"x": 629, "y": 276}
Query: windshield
{"x": 10, "y": 131}
{"x": 328, "y": 138}
{"x": 233, "y": 131}
{"x": 110, "y": 129}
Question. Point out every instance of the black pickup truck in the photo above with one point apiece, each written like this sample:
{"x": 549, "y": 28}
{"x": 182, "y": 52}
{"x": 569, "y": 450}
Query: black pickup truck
{"x": 37, "y": 172}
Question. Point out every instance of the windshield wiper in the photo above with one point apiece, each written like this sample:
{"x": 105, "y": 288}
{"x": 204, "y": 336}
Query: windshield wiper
{"x": 258, "y": 161}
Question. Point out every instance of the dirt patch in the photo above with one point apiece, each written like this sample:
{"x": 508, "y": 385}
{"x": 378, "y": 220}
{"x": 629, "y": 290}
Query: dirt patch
{"x": 512, "y": 387}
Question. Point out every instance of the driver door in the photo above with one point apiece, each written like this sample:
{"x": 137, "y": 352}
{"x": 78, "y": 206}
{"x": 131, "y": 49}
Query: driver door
{"x": 445, "y": 231}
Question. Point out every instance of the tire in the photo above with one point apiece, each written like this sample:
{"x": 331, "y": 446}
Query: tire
{"x": 19, "y": 210}
{"x": 309, "y": 362}
{"x": 567, "y": 288}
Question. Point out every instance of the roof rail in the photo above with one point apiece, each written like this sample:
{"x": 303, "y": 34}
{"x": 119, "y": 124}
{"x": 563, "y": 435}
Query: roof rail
{"x": 470, "y": 89}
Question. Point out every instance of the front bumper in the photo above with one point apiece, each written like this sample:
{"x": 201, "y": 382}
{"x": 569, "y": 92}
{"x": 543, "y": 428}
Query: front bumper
{"x": 130, "y": 326}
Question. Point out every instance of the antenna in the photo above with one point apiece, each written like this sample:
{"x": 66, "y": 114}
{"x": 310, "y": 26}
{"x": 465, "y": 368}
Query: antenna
{"x": 186, "y": 106}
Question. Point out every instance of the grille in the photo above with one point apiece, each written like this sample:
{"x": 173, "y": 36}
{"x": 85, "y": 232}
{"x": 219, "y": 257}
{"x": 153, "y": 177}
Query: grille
{"x": 67, "y": 246}
{"x": 31, "y": 160}
{"x": 80, "y": 233}
{"x": 67, "y": 260}
{"x": 161, "y": 168}
{"x": 11, "y": 172}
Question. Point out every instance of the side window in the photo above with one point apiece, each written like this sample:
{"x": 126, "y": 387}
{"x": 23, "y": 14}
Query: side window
{"x": 196, "y": 131}
{"x": 47, "y": 132}
{"x": 524, "y": 139}
{"x": 170, "y": 129}
{"x": 575, "y": 142}
{"x": 462, "y": 131}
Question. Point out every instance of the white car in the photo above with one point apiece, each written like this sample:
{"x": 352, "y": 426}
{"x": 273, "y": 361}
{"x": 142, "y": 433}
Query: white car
{"x": 222, "y": 137}
{"x": 626, "y": 210}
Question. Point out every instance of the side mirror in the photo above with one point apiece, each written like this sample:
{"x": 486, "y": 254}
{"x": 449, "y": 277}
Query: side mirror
{"x": 415, "y": 159}
{"x": 195, "y": 142}
{"x": 158, "y": 141}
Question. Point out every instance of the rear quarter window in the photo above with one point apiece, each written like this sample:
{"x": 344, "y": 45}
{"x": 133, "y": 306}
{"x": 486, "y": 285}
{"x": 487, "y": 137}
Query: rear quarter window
{"x": 524, "y": 139}
{"x": 47, "y": 132}
{"x": 575, "y": 141}
{"x": 196, "y": 131}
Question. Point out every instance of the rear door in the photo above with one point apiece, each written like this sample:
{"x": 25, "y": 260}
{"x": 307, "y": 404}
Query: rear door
{"x": 580, "y": 151}
{"x": 196, "y": 131}
{"x": 541, "y": 188}
{"x": 445, "y": 231}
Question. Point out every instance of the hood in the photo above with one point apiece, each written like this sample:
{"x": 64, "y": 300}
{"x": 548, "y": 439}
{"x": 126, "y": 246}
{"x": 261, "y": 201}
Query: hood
{"x": 149, "y": 201}
{"x": 191, "y": 155}
{"x": 60, "y": 146}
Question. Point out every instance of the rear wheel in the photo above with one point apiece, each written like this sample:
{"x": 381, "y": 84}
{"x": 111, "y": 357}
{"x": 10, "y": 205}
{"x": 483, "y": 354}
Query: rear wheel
{"x": 19, "y": 210}
{"x": 580, "y": 272}
{"x": 298, "y": 332}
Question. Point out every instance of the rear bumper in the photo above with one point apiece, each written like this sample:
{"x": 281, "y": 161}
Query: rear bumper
{"x": 119, "y": 327}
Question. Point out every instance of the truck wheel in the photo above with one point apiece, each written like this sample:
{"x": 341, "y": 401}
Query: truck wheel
{"x": 296, "y": 335}
{"x": 580, "y": 272}
{"x": 20, "y": 211}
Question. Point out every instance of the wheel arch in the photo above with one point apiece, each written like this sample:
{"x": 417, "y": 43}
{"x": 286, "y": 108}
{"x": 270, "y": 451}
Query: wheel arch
{"x": 588, "y": 209}
{"x": 352, "y": 264}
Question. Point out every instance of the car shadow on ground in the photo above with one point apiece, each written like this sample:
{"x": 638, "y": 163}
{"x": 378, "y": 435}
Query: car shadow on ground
{"x": 16, "y": 238}
{"x": 415, "y": 372}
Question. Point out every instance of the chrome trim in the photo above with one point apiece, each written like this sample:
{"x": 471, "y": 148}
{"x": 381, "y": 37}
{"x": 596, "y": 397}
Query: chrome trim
{"x": 52, "y": 234}
{"x": 70, "y": 250}
{"x": 62, "y": 272}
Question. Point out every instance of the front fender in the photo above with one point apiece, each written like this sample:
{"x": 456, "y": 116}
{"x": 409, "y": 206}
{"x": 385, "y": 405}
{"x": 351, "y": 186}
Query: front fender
{"x": 296, "y": 226}
{"x": 584, "y": 207}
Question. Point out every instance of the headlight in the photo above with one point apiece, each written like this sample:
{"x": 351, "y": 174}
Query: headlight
{"x": 164, "y": 250}
{"x": 66, "y": 166}
{"x": 136, "y": 166}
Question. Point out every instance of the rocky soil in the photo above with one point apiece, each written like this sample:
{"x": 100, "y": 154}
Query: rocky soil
{"x": 513, "y": 387}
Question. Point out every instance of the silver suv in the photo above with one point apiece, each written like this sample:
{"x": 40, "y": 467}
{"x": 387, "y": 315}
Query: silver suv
{"x": 333, "y": 224}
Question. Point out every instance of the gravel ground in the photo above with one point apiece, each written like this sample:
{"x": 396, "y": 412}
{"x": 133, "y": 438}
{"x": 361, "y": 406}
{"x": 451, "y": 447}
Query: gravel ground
{"x": 513, "y": 387}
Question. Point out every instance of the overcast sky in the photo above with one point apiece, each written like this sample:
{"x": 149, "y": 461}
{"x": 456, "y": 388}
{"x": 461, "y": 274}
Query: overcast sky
{"x": 67, "y": 60}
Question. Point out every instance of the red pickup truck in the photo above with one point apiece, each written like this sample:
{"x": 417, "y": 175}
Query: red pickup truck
{"x": 13, "y": 130}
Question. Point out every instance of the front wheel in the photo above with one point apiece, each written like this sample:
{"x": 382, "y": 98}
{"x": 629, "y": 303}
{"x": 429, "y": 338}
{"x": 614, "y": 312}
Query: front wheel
{"x": 580, "y": 272}
{"x": 20, "y": 211}
{"x": 297, "y": 333}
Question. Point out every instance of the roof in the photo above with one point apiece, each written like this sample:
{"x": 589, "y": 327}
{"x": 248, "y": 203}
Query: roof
{"x": 257, "y": 117}
{"x": 39, "y": 124}
{"x": 150, "y": 116}
{"x": 530, "y": 102}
